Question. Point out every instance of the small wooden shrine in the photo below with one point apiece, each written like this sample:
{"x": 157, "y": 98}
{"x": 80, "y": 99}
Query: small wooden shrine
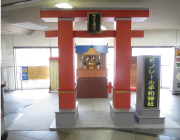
{"x": 91, "y": 71}
{"x": 91, "y": 59}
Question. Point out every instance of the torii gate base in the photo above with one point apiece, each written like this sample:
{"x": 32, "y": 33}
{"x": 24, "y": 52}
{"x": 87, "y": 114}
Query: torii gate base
{"x": 122, "y": 117}
{"x": 69, "y": 117}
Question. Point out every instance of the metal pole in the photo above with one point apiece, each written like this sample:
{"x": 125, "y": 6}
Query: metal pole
{"x": 15, "y": 69}
{"x": 8, "y": 80}
{"x": 2, "y": 100}
{"x": 21, "y": 77}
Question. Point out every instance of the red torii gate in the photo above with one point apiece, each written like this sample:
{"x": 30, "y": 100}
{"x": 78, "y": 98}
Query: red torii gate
{"x": 122, "y": 47}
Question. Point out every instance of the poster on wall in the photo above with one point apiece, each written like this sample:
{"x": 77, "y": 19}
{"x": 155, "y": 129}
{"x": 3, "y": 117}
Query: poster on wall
{"x": 25, "y": 73}
{"x": 38, "y": 72}
{"x": 35, "y": 72}
{"x": 54, "y": 75}
{"x": 94, "y": 22}
{"x": 151, "y": 81}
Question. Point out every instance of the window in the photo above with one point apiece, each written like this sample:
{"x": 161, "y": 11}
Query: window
{"x": 167, "y": 58}
{"x": 110, "y": 65}
{"x": 31, "y": 57}
{"x": 55, "y": 52}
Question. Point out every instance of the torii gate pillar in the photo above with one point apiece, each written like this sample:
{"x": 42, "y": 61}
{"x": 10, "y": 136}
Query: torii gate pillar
{"x": 121, "y": 112}
{"x": 67, "y": 96}
{"x": 122, "y": 60}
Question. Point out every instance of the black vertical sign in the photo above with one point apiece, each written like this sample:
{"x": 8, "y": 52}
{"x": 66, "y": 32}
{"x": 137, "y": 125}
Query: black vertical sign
{"x": 94, "y": 22}
{"x": 151, "y": 81}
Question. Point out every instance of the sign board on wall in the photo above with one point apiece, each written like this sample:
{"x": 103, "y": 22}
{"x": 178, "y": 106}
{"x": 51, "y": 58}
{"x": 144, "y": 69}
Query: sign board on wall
{"x": 38, "y": 72}
{"x": 24, "y": 73}
{"x": 94, "y": 22}
{"x": 54, "y": 75}
{"x": 151, "y": 82}
{"x": 35, "y": 72}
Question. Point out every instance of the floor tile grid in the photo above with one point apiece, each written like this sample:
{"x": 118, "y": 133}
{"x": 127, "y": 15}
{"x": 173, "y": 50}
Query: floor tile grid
{"x": 89, "y": 134}
{"x": 18, "y": 137}
{"x": 39, "y": 135}
{"x": 96, "y": 135}
{"x": 175, "y": 98}
{"x": 100, "y": 105}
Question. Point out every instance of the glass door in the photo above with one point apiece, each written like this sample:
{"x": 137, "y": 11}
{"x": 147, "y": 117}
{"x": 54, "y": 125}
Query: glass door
{"x": 31, "y": 57}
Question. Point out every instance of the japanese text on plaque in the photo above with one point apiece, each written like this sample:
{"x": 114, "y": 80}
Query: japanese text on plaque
{"x": 151, "y": 82}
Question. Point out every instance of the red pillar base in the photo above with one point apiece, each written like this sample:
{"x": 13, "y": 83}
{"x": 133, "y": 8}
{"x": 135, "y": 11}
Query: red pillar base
{"x": 121, "y": 98}
{"x": 67, "y": 99}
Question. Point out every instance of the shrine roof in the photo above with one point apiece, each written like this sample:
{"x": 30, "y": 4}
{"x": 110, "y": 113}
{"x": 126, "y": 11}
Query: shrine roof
{"x": 85, "y": 48}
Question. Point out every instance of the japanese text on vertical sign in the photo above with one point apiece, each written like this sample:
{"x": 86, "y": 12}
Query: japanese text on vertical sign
{"x": 151, "y": 83}
{"x": 94, "y": 22}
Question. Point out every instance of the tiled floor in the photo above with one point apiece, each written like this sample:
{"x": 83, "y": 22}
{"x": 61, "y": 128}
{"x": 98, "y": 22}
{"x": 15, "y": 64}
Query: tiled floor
{"x": 18, "y": 104}
{"x": 92, "y": 134}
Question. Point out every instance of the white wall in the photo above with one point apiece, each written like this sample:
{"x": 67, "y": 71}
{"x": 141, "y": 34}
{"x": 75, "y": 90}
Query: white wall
{"x": 103, "y": 41}
{"x": 37, "y": 39}
{"x": 151, "y": 38}
{"x": 95, "y": 41}
{"x": 83, "y": 41}
{"x": 156, "y": 38}
{"x": 178, "y": 37}
{"x": 7, "y": 50}
{"x": 53, "y": 42}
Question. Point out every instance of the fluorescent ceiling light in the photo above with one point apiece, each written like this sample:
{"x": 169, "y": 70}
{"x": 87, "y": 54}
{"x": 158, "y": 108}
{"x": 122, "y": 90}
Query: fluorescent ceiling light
{"x": 103, "y": 28}
{"x": 63, "y": 5}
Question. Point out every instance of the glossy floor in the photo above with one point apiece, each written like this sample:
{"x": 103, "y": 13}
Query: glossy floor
{"x": 18, "y": 103}
{"x": 91, "y": 134}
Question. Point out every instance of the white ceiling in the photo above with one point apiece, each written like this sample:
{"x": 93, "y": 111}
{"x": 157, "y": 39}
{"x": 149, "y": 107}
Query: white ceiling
{"x": 164, "y": 14}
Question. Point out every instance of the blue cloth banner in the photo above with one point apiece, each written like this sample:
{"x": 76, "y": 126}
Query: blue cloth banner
{"x": 25, "y": 73}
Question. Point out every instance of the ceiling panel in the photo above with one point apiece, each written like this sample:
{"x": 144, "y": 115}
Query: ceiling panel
{"x": 6, "y": 2}
{"x": 164, "y": 14}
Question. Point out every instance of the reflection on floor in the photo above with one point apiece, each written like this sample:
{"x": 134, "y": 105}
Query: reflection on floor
{"x": 90, "y": 134}
{"x": 19, "y": 104}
